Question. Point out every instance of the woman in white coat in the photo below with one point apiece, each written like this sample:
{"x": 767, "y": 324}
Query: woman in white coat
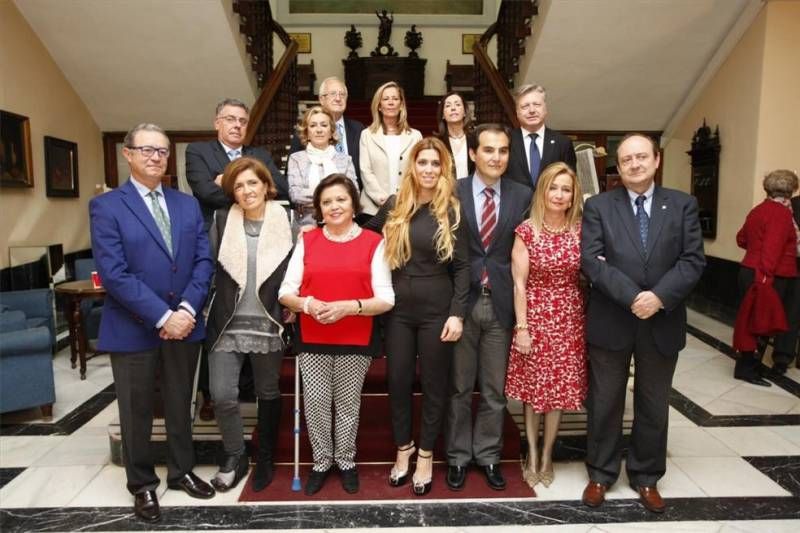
{"x": 385, "y": 146}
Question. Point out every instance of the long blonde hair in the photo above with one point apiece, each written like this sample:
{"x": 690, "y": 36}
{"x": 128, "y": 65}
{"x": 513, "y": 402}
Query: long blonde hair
{"x": 539, "y": 202}
{"x": 377, "y": 116}
{"x": 444, "y": 206}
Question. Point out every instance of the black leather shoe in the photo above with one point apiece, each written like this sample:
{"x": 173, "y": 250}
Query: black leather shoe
{"x": 780, "y": 368}
{"x": 349, "y": 480}
{"x": 456, "y": 476}
{"x": 315, "y": 482}
{"x": 193, "y": 486}
{"x": 494, "y": 478}
{"x": 145, "y": 506}
{"x": 238, "y": 464}
{"x": 755, "y": 380}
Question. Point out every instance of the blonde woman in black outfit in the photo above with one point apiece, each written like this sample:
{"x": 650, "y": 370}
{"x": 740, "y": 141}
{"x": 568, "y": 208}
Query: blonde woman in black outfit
{"x": 426, "y": 248}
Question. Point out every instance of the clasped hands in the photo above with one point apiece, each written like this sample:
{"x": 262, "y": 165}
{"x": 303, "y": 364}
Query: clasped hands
{"x": 646, "y": 304}
{"x": 331, "y": 312}
{"x": 178, "y": 326}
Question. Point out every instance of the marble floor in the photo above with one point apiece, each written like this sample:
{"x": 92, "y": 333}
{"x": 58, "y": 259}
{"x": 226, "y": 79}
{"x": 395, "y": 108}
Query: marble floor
{"x": 733, "y": 466}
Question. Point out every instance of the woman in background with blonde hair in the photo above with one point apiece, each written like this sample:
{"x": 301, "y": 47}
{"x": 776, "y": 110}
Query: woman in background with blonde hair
{"x": 385, "y": 146}
{"x": 547, "y": 364}
{"x": 426, "y": 248}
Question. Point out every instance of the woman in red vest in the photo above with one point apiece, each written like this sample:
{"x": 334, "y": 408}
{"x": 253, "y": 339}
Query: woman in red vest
{"x": 337, "y": 280}
{"x": 770, "y": 237}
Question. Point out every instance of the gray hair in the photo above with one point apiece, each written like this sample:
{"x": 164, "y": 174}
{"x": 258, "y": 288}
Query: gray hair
{"x": 780, "y": 183}
{"x": 144, "y": 126}
{"x": 529, "y": 88}
{"x": 234, "y": 102}
{"x": 324, "y": 83}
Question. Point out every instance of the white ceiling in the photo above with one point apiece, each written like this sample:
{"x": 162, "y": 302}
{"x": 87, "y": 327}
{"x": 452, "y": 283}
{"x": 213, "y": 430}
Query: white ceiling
{"x": 167, "y": 62}
{"x": 607, "y": 65}
{"x": 623, "y": 64}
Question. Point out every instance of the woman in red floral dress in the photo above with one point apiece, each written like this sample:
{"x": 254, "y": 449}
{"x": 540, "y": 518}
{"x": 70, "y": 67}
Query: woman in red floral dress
{"x": 547, "y": 365}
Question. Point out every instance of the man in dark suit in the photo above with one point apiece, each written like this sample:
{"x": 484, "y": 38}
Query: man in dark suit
{"x": 492, "y": 208}
{"x": 206, "y": 160}
{"x": 785, "y": 348}
{"x": 642, "y": 250}
{"x": 152, "y": 255}
{"x": 534, "y": 145}
{"x": 333, "y": 98}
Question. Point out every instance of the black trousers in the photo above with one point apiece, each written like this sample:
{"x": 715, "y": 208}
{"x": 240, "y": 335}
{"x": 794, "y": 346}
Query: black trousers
{"x": 134, "y": 381}
{"x": 605, "y": 404}
{"x": 413, "y": 330}
{"x": 748, "y": 363}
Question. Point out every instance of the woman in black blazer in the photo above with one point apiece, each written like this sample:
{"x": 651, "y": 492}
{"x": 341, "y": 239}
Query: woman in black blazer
{"x": 455, "y": 129}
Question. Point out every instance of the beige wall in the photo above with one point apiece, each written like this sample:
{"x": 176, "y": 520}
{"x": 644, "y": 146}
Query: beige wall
{"x": 32, "y": 85}
{"x": 754, "y": 100}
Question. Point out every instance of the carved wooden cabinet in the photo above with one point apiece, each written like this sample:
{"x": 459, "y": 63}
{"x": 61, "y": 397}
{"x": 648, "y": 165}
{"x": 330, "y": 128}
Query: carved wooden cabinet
{"x": 705, "y": 177}
{"x": 365, "y": 74}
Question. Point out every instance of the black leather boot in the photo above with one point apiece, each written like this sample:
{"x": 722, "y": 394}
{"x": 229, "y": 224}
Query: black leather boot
{"x": 269, "y": 418}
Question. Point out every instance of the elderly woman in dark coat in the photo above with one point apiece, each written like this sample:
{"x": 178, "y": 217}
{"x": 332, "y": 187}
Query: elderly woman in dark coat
{"x": 252, "y": 241}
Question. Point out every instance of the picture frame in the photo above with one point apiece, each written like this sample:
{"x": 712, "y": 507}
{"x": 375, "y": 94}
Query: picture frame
{"x": 468, "y": 40}
{"x": 61, "y": 168}
{"x": 303, "y": 42}
{"x": 16, "y": 158}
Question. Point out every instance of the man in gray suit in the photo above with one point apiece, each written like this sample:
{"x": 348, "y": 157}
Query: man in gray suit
{"x": 492, "y": 208}
{"x": 642, "y": 251}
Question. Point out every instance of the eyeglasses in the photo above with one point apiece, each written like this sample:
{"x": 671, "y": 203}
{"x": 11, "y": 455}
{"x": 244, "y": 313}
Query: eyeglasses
{"x": 231, "y": 120}
{"x": 335, "y": 94}
{"x": 150, "y": 151}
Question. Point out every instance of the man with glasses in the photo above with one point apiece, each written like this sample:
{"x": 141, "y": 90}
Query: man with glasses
{"x": 152, "y": 254}
{"x": 333, "y": 99}
{"x": 206, "y": 160}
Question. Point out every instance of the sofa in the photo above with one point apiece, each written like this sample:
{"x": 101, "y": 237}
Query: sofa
{"x": 27, "y": 337}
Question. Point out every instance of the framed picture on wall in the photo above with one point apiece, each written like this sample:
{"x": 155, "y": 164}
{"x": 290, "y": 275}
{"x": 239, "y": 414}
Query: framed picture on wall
{"x": 16, "y": 160}
{"x": 303, "y": 42}
{"x": 468, "y": 40}
{"x": 61, "y": 167}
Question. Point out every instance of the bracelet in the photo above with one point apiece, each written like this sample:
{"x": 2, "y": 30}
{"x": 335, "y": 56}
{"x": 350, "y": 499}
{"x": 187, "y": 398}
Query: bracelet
{"x": 521, "y": 326}
{"x": 360, "y": 307}
{"x": 305, "y": 304}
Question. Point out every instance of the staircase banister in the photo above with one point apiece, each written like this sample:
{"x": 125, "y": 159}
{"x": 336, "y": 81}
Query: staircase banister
{"x": 496, "y": 80}
{"x": 270, "y": 89}
{"x": 280, "y": 31}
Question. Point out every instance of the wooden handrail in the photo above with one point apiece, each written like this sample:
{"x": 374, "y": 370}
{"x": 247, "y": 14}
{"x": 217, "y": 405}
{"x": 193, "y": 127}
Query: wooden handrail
{"x": 498, "y": 86}
{"x": 270, "y": 89}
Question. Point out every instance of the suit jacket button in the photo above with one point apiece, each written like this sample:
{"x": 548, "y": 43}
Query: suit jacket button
{"x": 174, "y": 268}
{"x": 171, "y": 295}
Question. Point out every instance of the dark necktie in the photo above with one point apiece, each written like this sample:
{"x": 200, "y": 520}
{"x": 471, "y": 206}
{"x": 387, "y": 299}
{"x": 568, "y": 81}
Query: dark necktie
{"x": 488, "y": 224}
{"x": 643, "y": 219}
{"x": 535, "y": 159}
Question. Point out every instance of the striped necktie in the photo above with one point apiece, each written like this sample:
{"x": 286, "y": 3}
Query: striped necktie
{"x": 162, "y": 221}
{"x": 488, "y": 225}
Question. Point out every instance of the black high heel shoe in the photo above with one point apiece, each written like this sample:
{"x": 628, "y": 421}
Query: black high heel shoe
{"x": 397, "y": 478}
{"x": 423, "y": 487}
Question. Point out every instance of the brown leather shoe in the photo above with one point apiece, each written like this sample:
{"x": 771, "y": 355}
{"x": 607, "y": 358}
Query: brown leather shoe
{"x": 207, "y": 410}
{"x": 594, "y": 494}
{"x": 651, "y": 499}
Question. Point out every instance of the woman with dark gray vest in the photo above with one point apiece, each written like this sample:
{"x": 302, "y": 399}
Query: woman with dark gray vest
{"x": 251, "y": 241}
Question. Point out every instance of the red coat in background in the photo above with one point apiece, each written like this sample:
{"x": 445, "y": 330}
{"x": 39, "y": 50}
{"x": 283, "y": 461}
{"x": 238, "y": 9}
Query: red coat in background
{"x": 770, "y": 240}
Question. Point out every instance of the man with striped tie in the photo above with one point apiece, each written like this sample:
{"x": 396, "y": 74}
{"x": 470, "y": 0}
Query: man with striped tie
{"x": 206, "y": 160}
{"x": 153, "y": 257}
{"x": 492, "y": 208}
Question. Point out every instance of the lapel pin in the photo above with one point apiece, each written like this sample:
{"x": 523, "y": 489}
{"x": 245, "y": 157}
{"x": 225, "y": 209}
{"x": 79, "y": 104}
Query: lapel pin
{"x": 552, "y": 141}
{"x": 663, "y": 207}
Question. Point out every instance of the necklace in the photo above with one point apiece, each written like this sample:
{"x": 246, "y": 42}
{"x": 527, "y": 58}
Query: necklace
{"x": 552, "y": 230}
{"x": 352, "y": 233}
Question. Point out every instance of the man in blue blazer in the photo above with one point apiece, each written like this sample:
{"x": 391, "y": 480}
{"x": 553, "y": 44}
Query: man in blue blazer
{"x": 152, "y": 255}
{"x": 642, "y": 250}
{"x": 492, "y": 208}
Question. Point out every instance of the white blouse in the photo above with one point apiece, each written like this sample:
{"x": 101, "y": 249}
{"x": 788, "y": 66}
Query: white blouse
{"x": 460, "y": 159}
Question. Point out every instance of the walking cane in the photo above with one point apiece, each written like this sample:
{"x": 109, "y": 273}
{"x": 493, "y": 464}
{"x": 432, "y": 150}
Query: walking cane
{"x": 296, "y": 480}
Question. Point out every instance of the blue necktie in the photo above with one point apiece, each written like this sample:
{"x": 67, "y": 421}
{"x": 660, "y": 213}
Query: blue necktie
{"x": 234, "y": 154}
{"x": 535, "y": 159}
{"x": 340, "y": 133}
{"x": 643, "y": 219}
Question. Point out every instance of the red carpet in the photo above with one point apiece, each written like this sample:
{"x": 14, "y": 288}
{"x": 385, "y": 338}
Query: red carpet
{"x": 376, "y": 452}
